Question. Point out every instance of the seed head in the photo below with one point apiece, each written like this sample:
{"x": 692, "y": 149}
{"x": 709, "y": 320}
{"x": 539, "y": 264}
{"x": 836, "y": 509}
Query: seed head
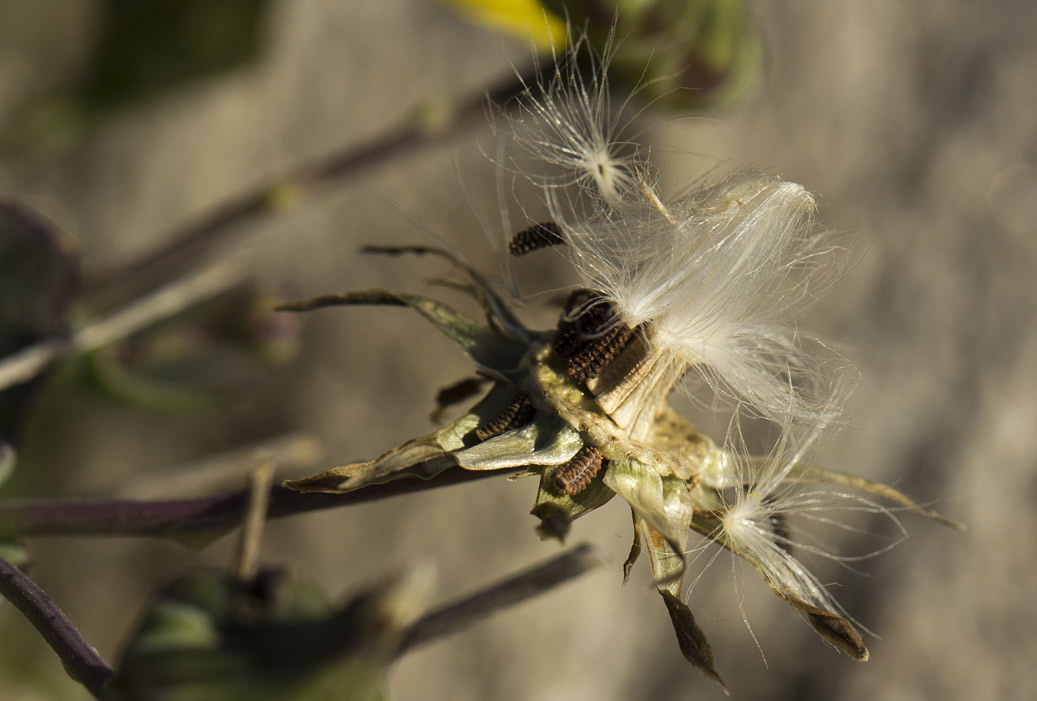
{"x": 717, "y": 274}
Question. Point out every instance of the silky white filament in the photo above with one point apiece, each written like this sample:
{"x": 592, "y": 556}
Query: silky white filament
{"x": 566, "y": 122}
{"x": 764, "y": 494}
{"x": 717, "y": 274}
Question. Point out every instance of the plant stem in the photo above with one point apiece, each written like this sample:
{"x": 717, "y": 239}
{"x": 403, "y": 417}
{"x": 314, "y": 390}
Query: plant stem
{"x": 81, "y": 660}
{"x": 199, "y": 238}
{"x": 516, "y": 589}
{"x": 246, "y": 556}
{"x": 197, "y": 520}
{"x": 160, "y": 305}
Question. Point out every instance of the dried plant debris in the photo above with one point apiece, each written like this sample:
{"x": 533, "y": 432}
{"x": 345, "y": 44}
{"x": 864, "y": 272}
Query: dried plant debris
{"x": 535, "y": 417}
{"x": 710, "y": 282}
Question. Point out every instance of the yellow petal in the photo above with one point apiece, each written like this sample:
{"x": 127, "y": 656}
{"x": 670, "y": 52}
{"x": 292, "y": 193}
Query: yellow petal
{"x": 524, "y": 19}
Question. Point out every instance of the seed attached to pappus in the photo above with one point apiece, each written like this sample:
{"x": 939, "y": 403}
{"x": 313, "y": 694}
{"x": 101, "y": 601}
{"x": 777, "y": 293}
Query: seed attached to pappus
{"x": 779, "y": 524}
{"x": 519, "y": 413}
{"x": 576, "y": 475}
{"x": 536, "y": 237}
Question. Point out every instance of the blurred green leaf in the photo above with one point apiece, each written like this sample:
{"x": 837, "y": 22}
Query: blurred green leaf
{"x": 143, "y": 49}
{"x": 210, "y": 636}
{"x": 39, "y": 280}
{"x": 193, "y": 361}
{"x": 105, "y": 372}
{"x": 16, "y": 553}
{"x": 39, "y": 276}
{"x": 8, "y": 458}
{"x": 684, "y": 54}
{"x": 148, "y": 47}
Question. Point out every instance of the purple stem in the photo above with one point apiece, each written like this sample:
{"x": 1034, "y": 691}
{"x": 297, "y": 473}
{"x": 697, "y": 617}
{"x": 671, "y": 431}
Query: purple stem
{"x": 472, "y": 609}
{"x": 81, "y": 660}
{"x": 201, "y": 516}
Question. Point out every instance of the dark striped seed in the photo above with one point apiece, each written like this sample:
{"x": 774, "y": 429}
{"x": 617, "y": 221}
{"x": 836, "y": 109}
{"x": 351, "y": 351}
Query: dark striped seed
{"x": 519, "y": 413}
{"x": 576, "y": 475}
{"x": 590, "y": 341}
{"x": 535, "y": 237}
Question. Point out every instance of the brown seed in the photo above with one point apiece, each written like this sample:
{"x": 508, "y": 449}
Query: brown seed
{"x": 575, "y": 476}
{"x": 535, "y": 237}
{"x": 519, "y": 413}
{"x": 589, "y": 341}
{"x": 573, "y": 331}
{"x": 594, "y": 356}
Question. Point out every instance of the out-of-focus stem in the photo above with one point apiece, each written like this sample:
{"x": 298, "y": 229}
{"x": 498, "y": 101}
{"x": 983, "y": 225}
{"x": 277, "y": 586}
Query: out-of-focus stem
{"x": 81, "y": 660}
{"x": 199, "y": 519}
{"x": 199, "y": 238}
{"x": 246, "y": 557}
{"x": 289, "y": 452}
{"x": 158, "y": 306}
{"x": 516, "y": 589}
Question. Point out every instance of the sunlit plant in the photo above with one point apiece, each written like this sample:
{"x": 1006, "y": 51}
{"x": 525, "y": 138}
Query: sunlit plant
{"x": 711, "y": 282}
{"x": 699, "y": 289}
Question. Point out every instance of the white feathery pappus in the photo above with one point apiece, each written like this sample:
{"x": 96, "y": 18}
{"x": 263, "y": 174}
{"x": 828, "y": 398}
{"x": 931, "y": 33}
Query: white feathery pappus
{"x": 716, "y": 275}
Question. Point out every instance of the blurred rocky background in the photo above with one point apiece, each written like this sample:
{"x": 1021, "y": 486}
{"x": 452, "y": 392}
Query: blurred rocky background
{"x": 914, "y": 123}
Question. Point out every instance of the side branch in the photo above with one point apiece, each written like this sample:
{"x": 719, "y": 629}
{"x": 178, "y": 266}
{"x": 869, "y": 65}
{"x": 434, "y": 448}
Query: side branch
{"x": 516, "y": 589}
{"x": 160, "y": 305}
{"x": 196, "y": 520}
{"x": 81, "y": 660}
{"x": 216, "y": 228}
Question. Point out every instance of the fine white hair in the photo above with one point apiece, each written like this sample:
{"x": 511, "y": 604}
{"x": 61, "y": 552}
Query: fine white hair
{"x": 717, "y": 274}
{"x": 761, "y": 492}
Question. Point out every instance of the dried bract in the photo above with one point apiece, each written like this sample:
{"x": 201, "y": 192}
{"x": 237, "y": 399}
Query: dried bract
{"x": 714, "y": 280}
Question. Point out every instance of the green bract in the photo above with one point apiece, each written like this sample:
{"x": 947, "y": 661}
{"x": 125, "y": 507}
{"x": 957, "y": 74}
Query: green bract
{"x": 673, "y": 477}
